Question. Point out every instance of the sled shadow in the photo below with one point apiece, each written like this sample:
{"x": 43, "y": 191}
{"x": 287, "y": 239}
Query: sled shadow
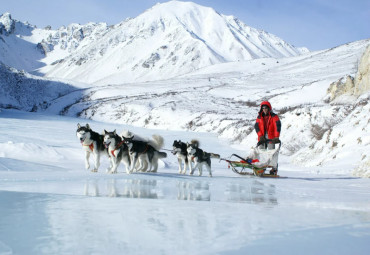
{"x": 322, "y": 178}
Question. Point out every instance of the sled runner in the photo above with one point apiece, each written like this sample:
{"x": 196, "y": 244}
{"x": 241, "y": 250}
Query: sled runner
{"x": 262, "y": 160}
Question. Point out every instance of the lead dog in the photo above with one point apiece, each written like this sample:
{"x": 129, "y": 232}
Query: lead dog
{"x": 200, "y": 158}
{"x": 150, "y": 150}
{"x": 117, "y": 151}
{"x": 92, "y": 143}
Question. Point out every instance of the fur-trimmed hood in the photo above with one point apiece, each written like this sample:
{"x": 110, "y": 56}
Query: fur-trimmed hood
{"x": 267, "y": 103}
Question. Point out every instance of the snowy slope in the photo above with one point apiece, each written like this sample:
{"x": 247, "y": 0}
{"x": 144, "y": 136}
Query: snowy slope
{"x": 167, "y": 40}
{"x": 225, "y": 98}
{"x": 222, "y": 98}
{"x": 20, "y": 90}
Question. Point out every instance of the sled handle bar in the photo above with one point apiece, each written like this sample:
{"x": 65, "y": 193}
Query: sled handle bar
{"x": 235, "y": 155}
{"x": 268, "y": 141}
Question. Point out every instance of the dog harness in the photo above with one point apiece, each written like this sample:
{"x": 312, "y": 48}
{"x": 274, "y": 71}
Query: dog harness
{"x": 91, "y": 146}
{"x": 147, "y": 147}
{"x": 117, "y": 147}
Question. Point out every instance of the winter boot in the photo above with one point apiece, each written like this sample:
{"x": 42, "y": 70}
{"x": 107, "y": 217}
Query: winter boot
{"x": 273, "y": 171}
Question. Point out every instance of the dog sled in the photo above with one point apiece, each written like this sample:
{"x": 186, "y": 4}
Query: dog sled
{"x": 259, "y": 163}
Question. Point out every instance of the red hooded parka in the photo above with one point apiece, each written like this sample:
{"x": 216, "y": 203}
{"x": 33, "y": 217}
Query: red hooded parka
{"x": 269, "y": 123}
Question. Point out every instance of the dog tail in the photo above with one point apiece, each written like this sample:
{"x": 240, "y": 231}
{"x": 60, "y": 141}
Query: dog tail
{"x": 157, "y": 142}
{"x": 126, "y": 133}
{"x": 214, "y": 155}
{"x": 195, "y": 142}
{"x": 161, "y": 154}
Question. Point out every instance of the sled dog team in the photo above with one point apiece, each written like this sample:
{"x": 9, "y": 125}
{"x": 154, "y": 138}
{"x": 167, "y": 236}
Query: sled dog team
{"x": 138, "y": 154}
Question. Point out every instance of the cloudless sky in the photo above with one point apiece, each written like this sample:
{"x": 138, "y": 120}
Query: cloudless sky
{"x": 315, "y": 24}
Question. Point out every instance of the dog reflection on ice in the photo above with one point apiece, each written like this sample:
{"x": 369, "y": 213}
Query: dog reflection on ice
{"x": 251, "y": 191}
{"x": 193, "y": 191}
{"x": 254, "y": 193}
{"x": 129, "y": 188}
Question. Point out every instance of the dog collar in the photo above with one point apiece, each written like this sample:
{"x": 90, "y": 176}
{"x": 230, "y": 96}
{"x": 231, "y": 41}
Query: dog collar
{"x": 117, "y": 147}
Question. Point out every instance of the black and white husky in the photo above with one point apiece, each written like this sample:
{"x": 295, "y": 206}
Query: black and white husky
{"x": 92, "y": 143}
{"x": 149, "y": 150}
{"x": 180, "y": 150}
{"x": 200, "y": 158}
{"x": 142, "y": 162}
{"x": 117, "y": 151}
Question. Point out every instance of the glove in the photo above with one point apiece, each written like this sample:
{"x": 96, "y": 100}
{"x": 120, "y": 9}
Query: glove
{"x": 262, "y": 139}
{"x": 276, "y": 140}
{"x": 249, "y": 161}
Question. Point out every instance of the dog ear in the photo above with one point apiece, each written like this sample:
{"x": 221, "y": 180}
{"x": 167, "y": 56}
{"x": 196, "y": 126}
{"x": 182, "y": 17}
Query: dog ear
{"x": 105, "y": 132}
{"x": 87, "y": 126}
{"x": 114, "y": 132}
{"x": 78, "y": 125}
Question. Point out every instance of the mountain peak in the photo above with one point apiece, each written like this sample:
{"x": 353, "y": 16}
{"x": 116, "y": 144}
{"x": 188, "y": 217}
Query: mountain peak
{"x": 7, "y": 24}
{"x": 177, "y": 8}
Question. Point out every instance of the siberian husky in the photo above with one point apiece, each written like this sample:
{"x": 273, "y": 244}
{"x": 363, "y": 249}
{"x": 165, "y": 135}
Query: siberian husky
{"x": 200, "y": 158}
{"x": 142, "y": 162}
{"x": 150, "y": 150}
{"x": 117, "y": 151}
{"x": 92, "y": 143}
{"x": 180, "y": 150}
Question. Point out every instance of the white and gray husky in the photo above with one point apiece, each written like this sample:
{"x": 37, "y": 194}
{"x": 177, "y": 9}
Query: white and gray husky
{"x": 117, "y": 151}
{"x": 199, "y": 157}
{"x": 92, "y": 143}
{"x": 145, "y": 149}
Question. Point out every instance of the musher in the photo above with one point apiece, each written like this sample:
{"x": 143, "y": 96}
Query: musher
{"x": 268, "y": 126}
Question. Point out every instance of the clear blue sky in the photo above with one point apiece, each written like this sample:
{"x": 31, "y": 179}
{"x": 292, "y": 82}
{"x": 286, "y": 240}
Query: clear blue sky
{"x": 316, "y": 24}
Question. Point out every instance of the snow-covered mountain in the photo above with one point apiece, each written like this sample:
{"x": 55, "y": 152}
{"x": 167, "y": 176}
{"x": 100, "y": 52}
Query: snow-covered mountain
{"x": 26, "y": 47}
{"x": 167, "y": 40}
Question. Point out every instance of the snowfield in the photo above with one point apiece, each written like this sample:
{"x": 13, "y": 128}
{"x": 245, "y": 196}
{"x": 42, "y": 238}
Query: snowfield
{"x": 51, "y": 204}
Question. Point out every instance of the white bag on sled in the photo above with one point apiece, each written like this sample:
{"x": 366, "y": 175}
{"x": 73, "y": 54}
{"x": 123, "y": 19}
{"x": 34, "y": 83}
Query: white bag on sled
{"x": 266, "y": 158}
